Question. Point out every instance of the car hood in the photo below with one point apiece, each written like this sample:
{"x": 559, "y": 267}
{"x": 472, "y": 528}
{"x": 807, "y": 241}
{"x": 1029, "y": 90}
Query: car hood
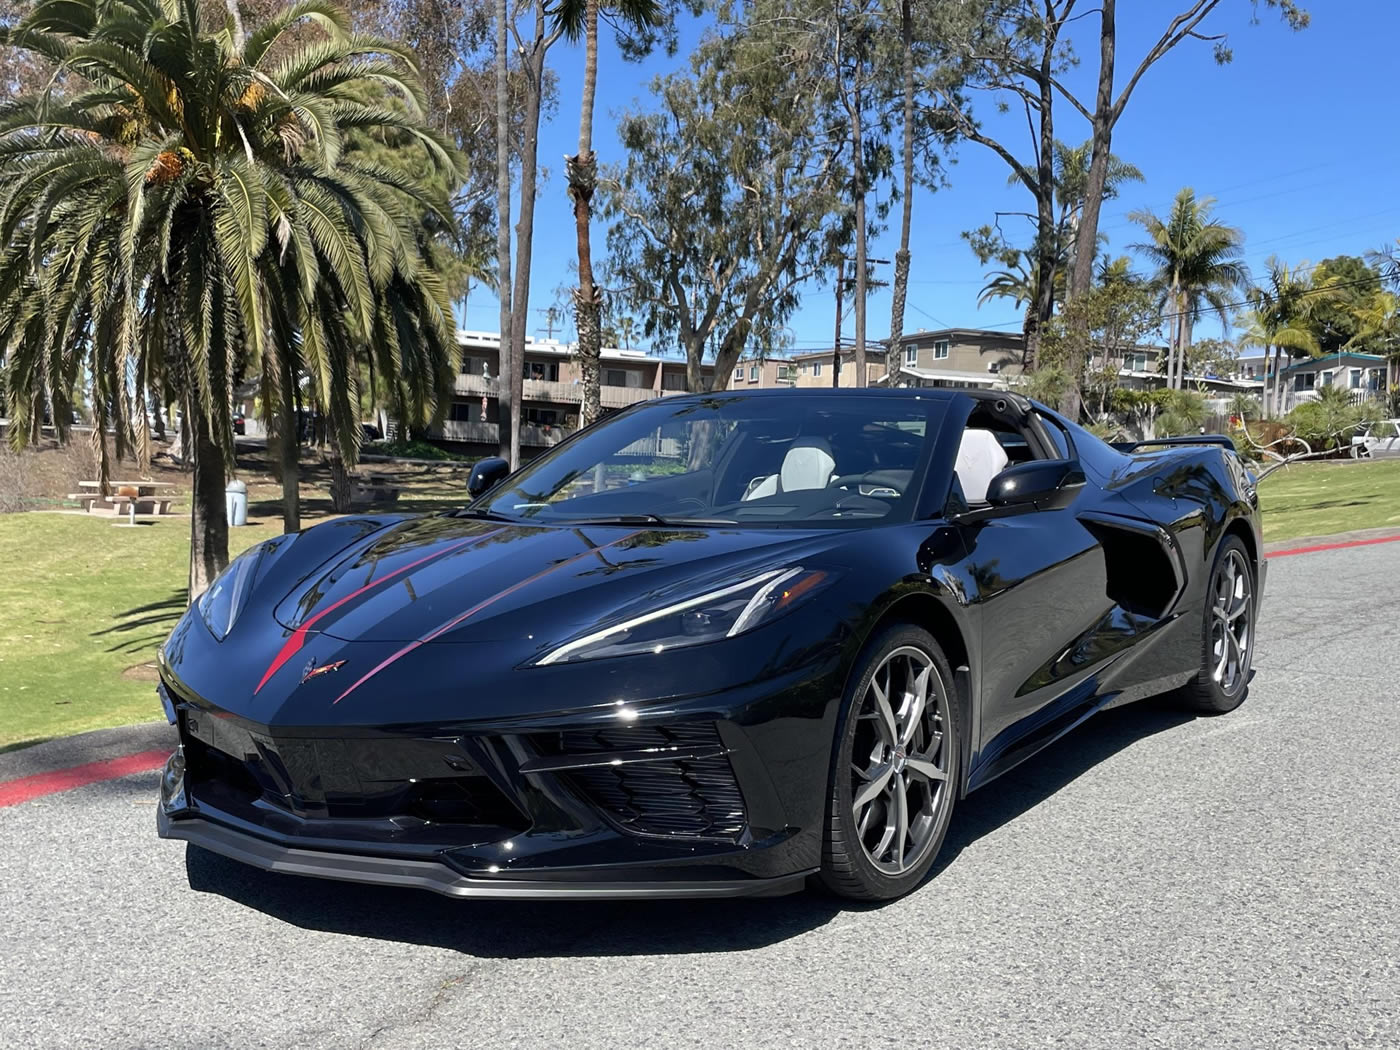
{"x": 445, "y": 579}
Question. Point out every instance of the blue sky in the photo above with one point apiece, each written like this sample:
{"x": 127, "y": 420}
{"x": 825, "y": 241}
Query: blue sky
{"x": 1296, "y": 139}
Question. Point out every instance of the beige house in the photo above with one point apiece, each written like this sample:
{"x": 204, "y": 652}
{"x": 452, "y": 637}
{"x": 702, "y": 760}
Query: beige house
{"x": 815, "y": 368}
{"x": 759, "y": 374}
{"x": 960, "y": 357}
{"x": 553, "y": 391}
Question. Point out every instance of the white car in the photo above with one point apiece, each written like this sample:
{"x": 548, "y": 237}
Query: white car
{"x": 1381, "y": 438}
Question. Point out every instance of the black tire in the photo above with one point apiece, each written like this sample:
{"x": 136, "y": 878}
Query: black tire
{"x": 858, "y": 855}
{"x": 1222, "y": 682}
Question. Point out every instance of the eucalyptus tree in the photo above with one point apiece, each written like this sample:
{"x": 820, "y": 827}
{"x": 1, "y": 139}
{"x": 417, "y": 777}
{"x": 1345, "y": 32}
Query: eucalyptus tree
{"x": 1197, "y": 268}
{"x": 732, "y": 196}
{"x": 183, "y": 208}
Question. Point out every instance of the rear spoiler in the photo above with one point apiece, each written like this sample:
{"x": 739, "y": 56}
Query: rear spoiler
{"x": 1199, "y": 439}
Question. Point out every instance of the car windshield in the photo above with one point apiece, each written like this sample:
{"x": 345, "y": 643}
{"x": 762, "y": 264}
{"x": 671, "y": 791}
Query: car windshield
{"x": 774, "y": 460}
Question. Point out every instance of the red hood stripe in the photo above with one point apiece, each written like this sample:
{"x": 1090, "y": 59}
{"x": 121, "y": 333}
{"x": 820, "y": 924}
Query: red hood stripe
{"x": 297, "y": 639}
{"x": 436, "y": 632}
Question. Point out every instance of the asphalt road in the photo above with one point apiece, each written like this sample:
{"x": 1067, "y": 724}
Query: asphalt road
{"x": 1152, "y": 881}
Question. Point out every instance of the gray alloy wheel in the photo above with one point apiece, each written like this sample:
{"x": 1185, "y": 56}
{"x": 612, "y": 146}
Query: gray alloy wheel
{"x": 1227, "y": 634}
{"x": 1231, "y": 622}
{"x": 895, "y": 777}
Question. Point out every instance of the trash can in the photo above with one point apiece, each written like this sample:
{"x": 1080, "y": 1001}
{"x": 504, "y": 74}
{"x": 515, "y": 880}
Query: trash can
{"x": 236, "y": 502}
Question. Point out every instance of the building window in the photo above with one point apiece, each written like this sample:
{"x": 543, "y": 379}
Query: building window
{"x": 753, "y": 373}
{"x": 1356, "y": 379}
{"x": 673, "y": 381}
{"x": 548, "y": 370}
{"x": 1137, "y": 362}
{"x": 619, "y": 377}
{"x": 816, "y": 368}
{"x": 738, "y": 375}
{"x": 940, "y": 350}
{"x": 911, "y": 355}
{"x": 541, "y": 417}
{"x": 1305, "y": 381}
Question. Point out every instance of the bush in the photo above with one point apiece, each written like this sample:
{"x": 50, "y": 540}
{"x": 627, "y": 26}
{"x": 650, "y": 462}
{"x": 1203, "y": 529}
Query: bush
{"x": 1328, "y": 423}
{"x": 409, "y": 450}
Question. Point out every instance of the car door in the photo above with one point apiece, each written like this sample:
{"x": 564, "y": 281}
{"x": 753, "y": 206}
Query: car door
{"x": 1040, "y": 581}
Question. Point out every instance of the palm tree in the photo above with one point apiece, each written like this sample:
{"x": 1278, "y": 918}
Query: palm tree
{"x": 1020, "y": 282}
{"x": 1280, "y": 321}
{"x": 580, "y": 18}
{"x": 1198, "y": 265}
{"x": 182, "y": 209}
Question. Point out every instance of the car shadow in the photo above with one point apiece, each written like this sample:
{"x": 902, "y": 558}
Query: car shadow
{"x": 528, "y": 929}
{"x": 1041, "y": 776}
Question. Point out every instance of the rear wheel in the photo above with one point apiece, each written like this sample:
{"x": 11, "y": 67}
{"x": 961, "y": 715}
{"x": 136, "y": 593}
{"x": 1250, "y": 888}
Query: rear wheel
{"x": 1227, "y": 634}
{"x": 895, "y": 774}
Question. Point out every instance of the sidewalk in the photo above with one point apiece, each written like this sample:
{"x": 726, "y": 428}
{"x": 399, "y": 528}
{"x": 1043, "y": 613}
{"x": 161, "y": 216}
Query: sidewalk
{"x": 101, "y": 745}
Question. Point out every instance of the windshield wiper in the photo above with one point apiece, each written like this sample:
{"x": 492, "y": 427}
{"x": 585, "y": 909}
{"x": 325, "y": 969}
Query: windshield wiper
{"x": 487, "y": 515}
{"x": 649, "y": 519}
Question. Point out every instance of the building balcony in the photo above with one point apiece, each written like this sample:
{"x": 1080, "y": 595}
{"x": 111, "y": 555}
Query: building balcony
{"x": 479, "y": 433}
{"x": 555, "y": 392}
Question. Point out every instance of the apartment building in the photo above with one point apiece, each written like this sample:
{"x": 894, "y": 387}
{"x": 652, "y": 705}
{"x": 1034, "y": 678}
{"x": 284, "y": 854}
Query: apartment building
{"x": 553, "y": 391}
{"x": 752, "y": 373}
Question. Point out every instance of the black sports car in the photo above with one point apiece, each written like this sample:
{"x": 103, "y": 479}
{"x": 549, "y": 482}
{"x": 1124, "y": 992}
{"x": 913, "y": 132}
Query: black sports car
{"x": 713, "y": 645}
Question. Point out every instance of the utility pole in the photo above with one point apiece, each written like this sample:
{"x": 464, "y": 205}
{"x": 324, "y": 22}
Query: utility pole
{"x": 863, "y": 285}
{"x": 836, "y": 344}
{"x": 551, "y": 317}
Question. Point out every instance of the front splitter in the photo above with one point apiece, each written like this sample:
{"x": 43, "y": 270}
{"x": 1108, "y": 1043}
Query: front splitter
{"x": 439, "y": 877}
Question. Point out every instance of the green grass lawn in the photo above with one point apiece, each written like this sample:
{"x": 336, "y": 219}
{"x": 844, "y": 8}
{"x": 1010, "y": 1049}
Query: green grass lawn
{"x": 83, "y": 606}
{"x": 1322, "y": 498}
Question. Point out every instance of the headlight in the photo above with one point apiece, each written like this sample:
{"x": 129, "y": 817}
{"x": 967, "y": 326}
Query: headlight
{"x": 717, "y": 614}
{"x": 226, "y": 596}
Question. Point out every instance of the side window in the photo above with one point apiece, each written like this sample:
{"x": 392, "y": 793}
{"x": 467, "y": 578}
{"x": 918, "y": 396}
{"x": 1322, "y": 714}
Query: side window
{"x": 1058, "y": 438}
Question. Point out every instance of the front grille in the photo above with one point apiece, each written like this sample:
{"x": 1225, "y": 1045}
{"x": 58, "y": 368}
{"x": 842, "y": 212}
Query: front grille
{"x": 402, "y": 782}
{"x": 690, "y": 797}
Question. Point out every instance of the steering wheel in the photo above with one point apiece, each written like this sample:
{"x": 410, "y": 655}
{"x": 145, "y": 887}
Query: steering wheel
{"x": 872, "y": 483}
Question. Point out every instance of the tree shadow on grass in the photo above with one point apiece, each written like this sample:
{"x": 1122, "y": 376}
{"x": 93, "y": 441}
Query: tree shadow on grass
{"x": 159, "y": 617}
{"x": 526, "y": 929}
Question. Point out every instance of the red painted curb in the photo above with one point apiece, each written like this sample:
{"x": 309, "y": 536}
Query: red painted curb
{"x": 13, "y": 792}
{"x": 1333, "y": 546}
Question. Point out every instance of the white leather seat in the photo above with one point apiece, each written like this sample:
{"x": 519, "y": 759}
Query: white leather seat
{"x": 808, "y": 464}
{"x": 980, "y": 458}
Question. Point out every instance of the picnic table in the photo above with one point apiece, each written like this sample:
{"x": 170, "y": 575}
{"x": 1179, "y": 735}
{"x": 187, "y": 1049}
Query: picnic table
{"x": 125, "y": 497}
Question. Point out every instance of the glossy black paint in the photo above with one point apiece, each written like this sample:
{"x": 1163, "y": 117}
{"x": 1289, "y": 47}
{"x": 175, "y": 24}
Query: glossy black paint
{"x": 486, "y": 473}
{"x": 380, "y": 696}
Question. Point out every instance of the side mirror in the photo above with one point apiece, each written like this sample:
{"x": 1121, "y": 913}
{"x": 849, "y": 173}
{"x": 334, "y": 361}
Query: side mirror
{"x": 1038, "y": 485}
{"x": 485, "y": 474}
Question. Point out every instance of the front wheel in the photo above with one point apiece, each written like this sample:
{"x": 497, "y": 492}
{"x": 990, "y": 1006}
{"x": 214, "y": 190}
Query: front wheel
{"x": 895, "y": 773}
{"x": 1227, "y": 634}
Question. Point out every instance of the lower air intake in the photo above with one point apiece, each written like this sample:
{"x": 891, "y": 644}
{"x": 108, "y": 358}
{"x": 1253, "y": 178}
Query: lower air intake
{"x": 678, "y": 797}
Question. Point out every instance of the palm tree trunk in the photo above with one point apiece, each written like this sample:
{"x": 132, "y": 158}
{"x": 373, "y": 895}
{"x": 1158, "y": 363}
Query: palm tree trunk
{"x": 894, "y": 354}
{"x": 506, "y": 409}
{"x": 289, "y": 449}
{"x": 208, "y": 517}
{"x": 237, "y": 20}
{"x": 582, "y": 171}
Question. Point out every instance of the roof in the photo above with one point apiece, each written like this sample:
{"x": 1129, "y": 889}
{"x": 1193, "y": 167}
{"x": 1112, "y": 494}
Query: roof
{"x": 1335, "y": 360}
{"x": 556, "y": 348}
{"x": 847, "y": 353}
{"x": 990, "y": 378}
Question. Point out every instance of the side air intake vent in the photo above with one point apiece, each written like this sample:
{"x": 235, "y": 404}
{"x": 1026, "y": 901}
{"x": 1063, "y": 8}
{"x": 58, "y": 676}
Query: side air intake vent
{"x": 1142, "y": 569}
{"x": 653, "y": 780}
